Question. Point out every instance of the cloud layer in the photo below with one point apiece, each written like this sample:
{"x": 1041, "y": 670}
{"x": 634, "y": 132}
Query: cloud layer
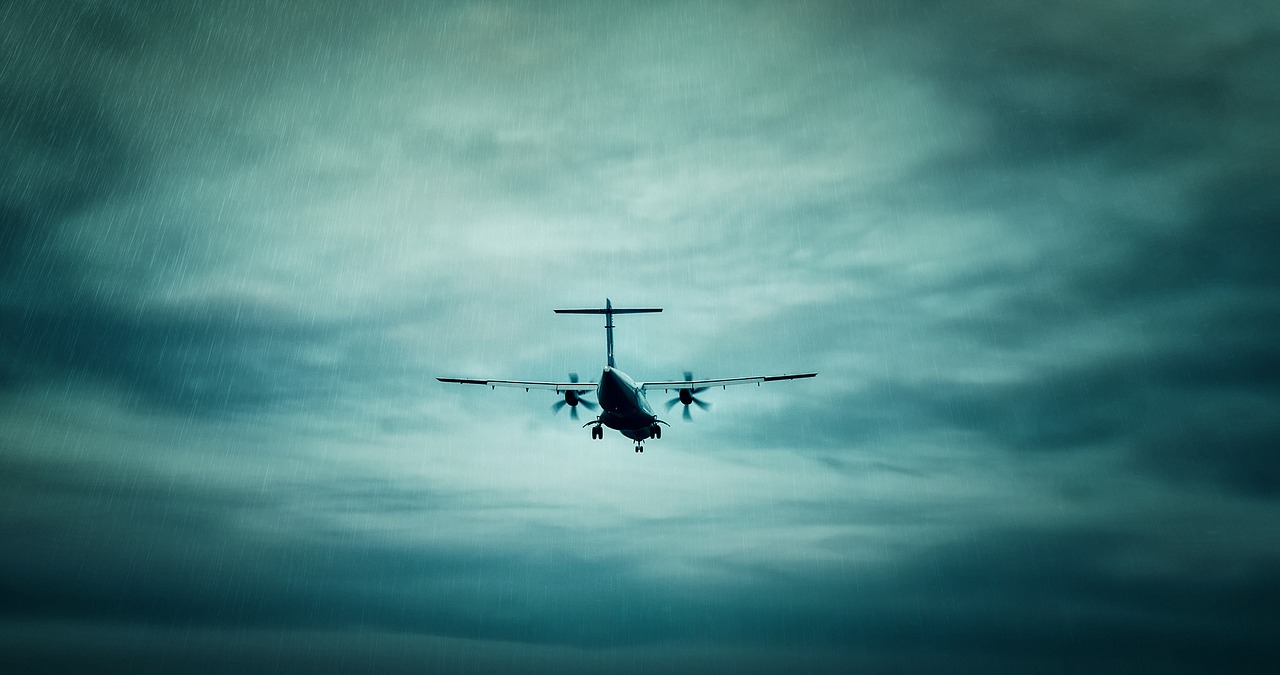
{"x": 1029, "y": 249}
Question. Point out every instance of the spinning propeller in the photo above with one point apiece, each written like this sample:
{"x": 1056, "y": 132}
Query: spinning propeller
{"x": 572, "y": 398}
{"x": 687, "y": 396}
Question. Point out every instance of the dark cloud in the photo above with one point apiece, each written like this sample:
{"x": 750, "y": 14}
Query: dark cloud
{"x": 216, "y": 558}
{"x": 66, "y": 153}
{"x": 1194, "y": 409}
{"x": 211, "y": 360}
{"x": 1169, "y": 308}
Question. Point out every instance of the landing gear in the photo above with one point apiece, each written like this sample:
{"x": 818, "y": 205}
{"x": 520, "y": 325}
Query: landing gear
{"x": 597, "y": 433}
{"x": 639, "y": 448}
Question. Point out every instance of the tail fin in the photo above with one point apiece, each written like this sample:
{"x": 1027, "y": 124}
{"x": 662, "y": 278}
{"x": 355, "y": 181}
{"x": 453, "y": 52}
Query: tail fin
{"x": 608, "y": 311}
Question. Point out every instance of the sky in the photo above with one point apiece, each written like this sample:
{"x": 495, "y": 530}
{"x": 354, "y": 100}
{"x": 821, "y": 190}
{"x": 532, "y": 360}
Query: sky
{"x": 1028, "y": 247}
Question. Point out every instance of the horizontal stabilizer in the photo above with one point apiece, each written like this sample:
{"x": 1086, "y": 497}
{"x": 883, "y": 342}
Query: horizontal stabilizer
{"x": 609, "y": 310}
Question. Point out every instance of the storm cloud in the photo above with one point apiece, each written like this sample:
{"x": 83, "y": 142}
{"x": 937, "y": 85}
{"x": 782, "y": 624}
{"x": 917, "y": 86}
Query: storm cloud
{"x": 1029, "y": 249}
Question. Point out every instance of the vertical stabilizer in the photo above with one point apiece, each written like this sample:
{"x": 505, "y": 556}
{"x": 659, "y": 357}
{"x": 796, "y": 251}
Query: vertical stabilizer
{"x": 608, "y": 311}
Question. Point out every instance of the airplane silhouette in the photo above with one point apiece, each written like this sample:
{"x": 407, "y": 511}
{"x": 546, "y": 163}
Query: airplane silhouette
{"x": 625, "y": 407}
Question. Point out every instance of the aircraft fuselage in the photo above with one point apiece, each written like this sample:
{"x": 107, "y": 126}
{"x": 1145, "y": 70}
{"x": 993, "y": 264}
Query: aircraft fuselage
{"x": 624, "y": 406}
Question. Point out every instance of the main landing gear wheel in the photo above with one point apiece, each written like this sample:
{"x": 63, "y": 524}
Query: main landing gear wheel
{"x": 639, "y": 448}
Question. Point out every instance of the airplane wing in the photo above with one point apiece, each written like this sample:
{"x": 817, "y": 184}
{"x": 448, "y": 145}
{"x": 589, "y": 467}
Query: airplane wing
{"x": 723, "y": 382}
{"x": 558, "y": 387}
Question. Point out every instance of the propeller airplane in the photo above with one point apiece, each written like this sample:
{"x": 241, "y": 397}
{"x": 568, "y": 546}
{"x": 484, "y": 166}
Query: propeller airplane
{"x": 625, "y": 407}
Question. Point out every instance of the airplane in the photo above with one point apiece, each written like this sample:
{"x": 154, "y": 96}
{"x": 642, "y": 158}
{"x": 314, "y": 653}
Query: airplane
{"x": 625, "y": 408}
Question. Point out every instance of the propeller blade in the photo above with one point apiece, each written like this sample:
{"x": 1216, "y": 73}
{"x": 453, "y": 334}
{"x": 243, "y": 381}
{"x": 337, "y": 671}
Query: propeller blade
{"x": 576, "y": 396}
{"x": 687, "y": 394}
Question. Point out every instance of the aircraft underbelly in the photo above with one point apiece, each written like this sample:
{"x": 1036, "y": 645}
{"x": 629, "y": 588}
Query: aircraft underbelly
{"x": 637, "y": 434}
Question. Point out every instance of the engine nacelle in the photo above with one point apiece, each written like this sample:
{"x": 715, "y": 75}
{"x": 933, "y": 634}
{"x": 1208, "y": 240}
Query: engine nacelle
{"x": 686, "y": 396}
{"x": 571, "y": 397}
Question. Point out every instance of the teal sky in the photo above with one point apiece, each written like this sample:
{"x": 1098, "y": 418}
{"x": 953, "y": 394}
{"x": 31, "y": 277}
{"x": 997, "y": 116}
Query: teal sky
{"x": 1028, "y": 247}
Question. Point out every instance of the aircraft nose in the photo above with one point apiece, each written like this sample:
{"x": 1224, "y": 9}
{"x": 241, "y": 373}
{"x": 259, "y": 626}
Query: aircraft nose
{"x": 609, "y": 377}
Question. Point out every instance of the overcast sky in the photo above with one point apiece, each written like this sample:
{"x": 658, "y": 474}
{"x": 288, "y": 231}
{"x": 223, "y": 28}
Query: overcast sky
{"x": 1029, "y": 247}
